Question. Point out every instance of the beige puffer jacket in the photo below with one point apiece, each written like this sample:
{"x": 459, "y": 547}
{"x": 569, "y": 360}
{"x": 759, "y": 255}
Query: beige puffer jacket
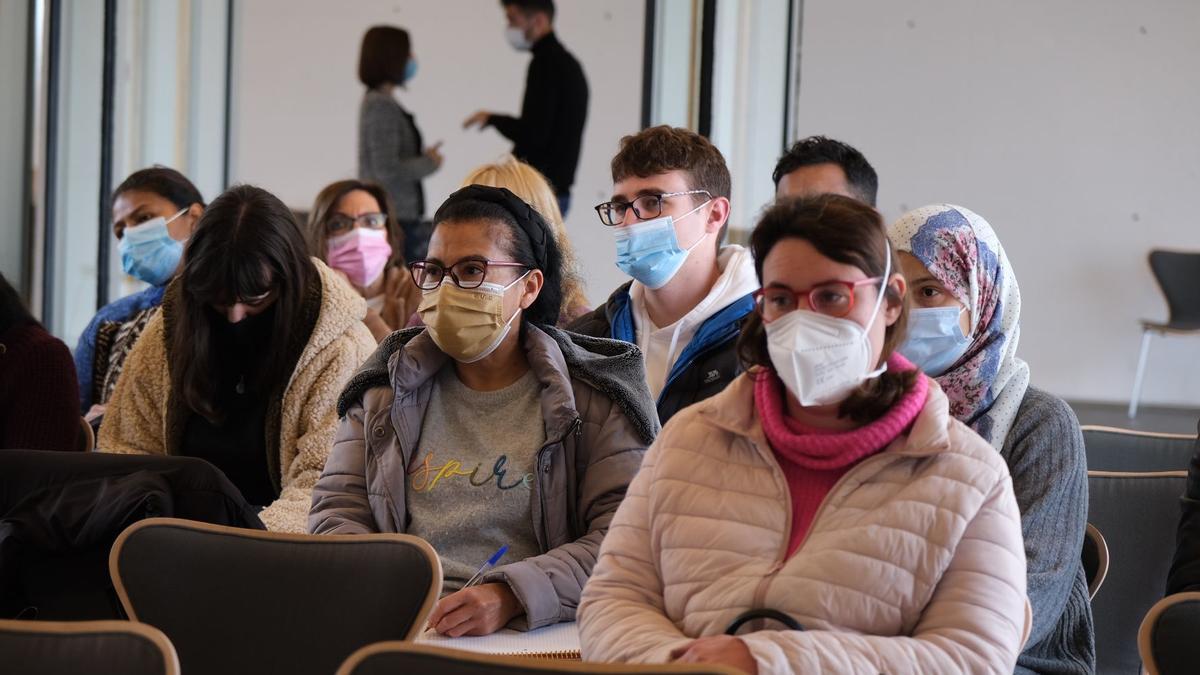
{"x": 914, "y": 562}
{"x": 142, "y": 418}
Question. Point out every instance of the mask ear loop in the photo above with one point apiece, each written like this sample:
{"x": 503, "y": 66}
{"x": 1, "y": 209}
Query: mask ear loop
{"x": 181, "y": 212}
{"x": 887, "y": 273}
{"x": 175, "y": 217}
{"x": 518, "y": 279}
{"x": 166, "y": 221}
{"x": 970, "y": 333}
{"x": 519, "y": 308}
{"x": 517, "y": 313}
{"x": 702, "y": 204}
{"x": 693, "y": 246}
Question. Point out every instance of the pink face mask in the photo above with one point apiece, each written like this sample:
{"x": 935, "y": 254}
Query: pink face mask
{"x": 361, "y": 254}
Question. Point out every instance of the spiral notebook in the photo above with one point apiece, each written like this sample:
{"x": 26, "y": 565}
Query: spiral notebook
{"x": 560, "y": 641}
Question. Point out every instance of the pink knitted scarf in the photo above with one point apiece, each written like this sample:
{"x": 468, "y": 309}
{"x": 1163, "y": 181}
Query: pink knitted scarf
{"x": 814, "y": 459}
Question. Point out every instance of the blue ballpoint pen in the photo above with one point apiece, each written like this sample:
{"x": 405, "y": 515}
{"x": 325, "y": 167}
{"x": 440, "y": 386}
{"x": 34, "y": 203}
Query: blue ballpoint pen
{"x": 491, "y": 562}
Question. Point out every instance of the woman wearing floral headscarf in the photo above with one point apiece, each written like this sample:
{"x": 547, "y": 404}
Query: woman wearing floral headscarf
{"x": 963, "y": 331}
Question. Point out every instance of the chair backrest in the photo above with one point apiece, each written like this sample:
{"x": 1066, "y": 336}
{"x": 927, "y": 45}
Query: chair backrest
{"x": 1113, "y": 449}
{"x": 389, "y": 658}
{"x": 1138, "y": 513}
{"x": 1167, "y": 638}
{"x": 61, "y": 512}
{"x": 1178, "y": 275}
{"x": 1095, "y": 559}
{"x": 235, "y": 600}
{"x": 94, "y": 647}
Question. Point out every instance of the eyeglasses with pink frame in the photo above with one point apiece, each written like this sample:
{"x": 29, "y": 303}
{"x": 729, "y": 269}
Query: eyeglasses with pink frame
{"x": 836, "y": 307}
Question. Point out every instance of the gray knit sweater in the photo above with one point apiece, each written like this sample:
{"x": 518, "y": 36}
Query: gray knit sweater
{"x": 1045, "y": 455}
{"x": 390, "y": 153}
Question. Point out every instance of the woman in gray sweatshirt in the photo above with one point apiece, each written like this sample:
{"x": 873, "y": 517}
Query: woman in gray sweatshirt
{"x": 963, "y": 332}
{"x": 489, "y": 432}
{"x": 390, "y": 149}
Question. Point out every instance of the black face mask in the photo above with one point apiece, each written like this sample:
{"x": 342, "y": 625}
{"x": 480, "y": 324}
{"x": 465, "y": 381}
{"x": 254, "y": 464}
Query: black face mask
{"x": 252, "y": 330}
{"x": 221, "y": 325}
{"x": 242, "y": 345}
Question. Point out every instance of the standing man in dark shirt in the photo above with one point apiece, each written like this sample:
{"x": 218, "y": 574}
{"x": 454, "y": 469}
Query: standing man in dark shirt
{"x": 549, "y": 131}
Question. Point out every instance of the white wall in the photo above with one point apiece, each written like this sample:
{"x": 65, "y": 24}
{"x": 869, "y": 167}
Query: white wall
{"x": 1071, "y": 126}
{"x": 296, "y": 96}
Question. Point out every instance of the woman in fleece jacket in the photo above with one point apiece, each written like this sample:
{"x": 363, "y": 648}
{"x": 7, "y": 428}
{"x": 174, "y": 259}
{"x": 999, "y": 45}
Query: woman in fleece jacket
{"x": 243, "y": 364}
{"x": 829, "y": 482}
{"x": 964, "y": 323}
{"x": 489, "y": 427}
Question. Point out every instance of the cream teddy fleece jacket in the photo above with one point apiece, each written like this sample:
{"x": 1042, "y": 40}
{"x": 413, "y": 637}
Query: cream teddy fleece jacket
{"x": 143, "y": 418}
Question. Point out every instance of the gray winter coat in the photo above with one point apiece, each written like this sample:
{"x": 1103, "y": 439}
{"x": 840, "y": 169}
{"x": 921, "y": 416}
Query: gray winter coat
{"x": 390, "y": 152}
{"x": 599, "y": 420}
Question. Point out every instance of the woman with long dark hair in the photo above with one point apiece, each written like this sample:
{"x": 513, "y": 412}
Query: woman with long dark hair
{"x": 352, "y": 228}
{"x": 829, "y": 483}
{"x": 244, "y": 362}
{"x": 39, "y": 397}
{"x": 489, "y": 427}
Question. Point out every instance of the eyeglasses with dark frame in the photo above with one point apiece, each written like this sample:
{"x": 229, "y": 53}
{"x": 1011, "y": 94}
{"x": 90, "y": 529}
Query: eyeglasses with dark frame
{"x": 644, "y": 207}
{"x": 466, "y": 274}
{"x": 832, "y": 298}
{"x": 340, "y": 223}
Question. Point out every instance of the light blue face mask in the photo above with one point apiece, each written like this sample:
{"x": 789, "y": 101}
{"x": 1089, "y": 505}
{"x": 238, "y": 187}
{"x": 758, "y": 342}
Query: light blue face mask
{"x": 935, "y": 339}
{"x": 410, "y": 70}
{"x": 650, "y": 252}
{"x": 149, "y": 253}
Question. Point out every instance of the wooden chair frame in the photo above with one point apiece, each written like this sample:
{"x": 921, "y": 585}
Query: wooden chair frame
{"x": 532, "y": 665}
{"x": 150, "y": 633}
{"x": 1146, "y": 631}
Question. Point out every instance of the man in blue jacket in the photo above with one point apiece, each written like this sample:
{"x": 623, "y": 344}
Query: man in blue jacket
{"x": 685, "y": 304}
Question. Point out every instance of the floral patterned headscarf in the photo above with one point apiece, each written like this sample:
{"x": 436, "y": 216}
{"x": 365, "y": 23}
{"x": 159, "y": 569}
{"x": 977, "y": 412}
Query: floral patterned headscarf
{"x": 987, "y": 384}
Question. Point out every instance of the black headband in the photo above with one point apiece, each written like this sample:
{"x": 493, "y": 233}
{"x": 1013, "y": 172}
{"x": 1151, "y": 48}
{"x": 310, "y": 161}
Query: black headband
{"x": 528, "y": 219}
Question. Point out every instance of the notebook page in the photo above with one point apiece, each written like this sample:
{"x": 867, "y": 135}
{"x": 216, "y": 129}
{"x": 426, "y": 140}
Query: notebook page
{"x": 560, "y": 638}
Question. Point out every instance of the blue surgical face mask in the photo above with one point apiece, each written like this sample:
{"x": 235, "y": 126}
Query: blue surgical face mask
{"x": 410, "y": 70}
{"x": 516, "y": 38}
{"x": 650, "y": 252}
{"x": 149, "y": 253}
{"x": 935, "y": 339}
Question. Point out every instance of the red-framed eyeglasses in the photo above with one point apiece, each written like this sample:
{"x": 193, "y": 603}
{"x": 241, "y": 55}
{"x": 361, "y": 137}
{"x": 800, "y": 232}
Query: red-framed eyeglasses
{"x": 832, "y": 298}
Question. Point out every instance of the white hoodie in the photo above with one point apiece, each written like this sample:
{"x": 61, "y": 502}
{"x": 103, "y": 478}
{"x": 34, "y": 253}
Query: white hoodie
{"x": 662, "y": 346}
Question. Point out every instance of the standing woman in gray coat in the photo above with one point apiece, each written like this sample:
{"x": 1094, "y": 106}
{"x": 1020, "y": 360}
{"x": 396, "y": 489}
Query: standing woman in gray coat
{"x": 390, "y": 149}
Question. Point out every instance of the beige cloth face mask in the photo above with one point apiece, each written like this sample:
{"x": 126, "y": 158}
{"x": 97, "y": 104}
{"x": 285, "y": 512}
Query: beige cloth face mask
{"x": 467, "y": 324}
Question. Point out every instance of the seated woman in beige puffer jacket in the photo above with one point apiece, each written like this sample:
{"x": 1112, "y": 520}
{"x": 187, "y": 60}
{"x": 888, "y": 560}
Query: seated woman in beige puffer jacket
{"x": 829, "y": 483}
{"x": 243, "y": 365}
